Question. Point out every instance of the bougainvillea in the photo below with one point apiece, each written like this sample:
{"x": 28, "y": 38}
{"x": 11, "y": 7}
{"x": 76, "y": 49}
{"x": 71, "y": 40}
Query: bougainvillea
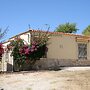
{"x": 24, "y": 53}
{"x": 1, "y": 49}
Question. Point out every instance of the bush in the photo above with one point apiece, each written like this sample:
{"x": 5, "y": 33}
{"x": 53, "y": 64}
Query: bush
{"x": 1, "y": 49}
{"x": 28, "y": 54}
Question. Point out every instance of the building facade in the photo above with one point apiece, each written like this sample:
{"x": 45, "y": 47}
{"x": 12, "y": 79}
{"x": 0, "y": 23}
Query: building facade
{"x": 64, "y": 49}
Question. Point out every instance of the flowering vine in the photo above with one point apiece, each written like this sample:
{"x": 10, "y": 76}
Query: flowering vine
{"x": 24, "y": 53}
{"x": 1, "y": 49}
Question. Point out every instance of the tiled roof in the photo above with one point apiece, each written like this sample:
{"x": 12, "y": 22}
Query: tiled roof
{"x": 61, "y": 33}
{"x": 53, "y": 33}
{"x": 57, "y": 33}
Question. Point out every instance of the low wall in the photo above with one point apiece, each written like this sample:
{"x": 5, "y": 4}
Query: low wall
{"x": 46, "y": 63}
{"x": 7, "y": 62}
{"x": 0, "y": 66}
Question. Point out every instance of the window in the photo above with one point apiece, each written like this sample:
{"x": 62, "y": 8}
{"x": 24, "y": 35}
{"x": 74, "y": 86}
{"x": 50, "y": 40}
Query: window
{"x": 82, "y": 51}
{"x": 28, "y": 38}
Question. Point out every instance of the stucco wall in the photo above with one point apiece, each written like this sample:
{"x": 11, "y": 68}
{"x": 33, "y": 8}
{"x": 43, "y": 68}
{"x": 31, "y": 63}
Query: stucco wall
{"x": 26, "y": 38}
{"x": 62, "y": 47}
{"x": 88, "y": 50}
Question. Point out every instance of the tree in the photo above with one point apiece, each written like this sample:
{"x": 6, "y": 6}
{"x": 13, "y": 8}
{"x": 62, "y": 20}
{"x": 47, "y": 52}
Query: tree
{"x": 86, "y": 31}
{"x": 67, "y": 28}
{"x": 3, "y": 32}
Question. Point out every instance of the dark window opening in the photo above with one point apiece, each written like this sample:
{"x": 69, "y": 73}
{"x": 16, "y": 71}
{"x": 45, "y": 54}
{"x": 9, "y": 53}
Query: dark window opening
{"x": 82, "y": 51}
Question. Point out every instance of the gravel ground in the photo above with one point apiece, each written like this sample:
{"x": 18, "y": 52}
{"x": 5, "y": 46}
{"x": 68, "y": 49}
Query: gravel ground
{"x": 69, "y": 78}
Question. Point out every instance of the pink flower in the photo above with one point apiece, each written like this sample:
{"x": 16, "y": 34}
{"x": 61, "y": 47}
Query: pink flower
{"x": 32, "y": 50}
{"x": 1, "y": 49}
{"x": 33, "y": 46}
{"x": 27, "y": 51}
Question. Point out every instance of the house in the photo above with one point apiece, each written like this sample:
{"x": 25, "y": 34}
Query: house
{"x": 64, "y": 49}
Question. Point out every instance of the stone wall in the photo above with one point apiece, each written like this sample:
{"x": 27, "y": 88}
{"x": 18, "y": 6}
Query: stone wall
{"x": 7, "y": 62}
{"x": 46, "y": 63}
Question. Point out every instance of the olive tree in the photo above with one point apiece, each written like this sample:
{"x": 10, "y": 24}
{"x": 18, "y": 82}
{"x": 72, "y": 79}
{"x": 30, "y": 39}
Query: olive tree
{"x": 67, "y": 28}
{"x": 86, "y": 31}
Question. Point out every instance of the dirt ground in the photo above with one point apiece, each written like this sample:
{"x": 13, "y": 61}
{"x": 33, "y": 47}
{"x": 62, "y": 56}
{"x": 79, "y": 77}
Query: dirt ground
{"x": 72, "y": 78}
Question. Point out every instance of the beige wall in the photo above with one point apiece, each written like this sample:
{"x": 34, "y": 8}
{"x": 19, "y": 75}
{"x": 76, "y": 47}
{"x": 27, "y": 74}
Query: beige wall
{"x": 26, "y": 38}
{"x": 62, "y": 47}
{"x": 88, "y": 51}
{"x": 65, "y": 47}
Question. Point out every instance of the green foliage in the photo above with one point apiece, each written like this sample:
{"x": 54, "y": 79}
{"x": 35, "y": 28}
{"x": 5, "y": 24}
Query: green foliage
{"x": 67, "y": 28}
{"x": 15, "y": 45}
{"x": 86, "y": 31}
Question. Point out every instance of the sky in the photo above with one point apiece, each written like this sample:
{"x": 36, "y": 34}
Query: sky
{"x": 19, "y": 15}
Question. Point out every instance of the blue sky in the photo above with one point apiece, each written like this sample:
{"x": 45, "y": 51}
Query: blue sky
{"x": 18, "y": 14}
